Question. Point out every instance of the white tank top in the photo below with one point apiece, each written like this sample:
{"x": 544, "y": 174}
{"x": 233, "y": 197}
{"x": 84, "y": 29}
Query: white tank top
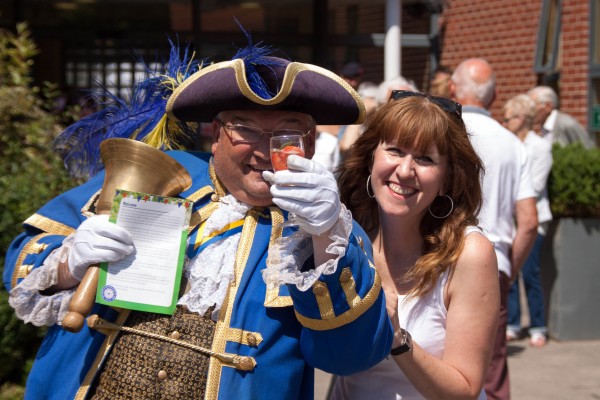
{"x": 425, "y": 319}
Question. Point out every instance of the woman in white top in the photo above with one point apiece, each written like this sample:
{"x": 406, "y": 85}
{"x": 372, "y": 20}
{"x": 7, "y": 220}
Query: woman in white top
{"x": 412, "y": 180}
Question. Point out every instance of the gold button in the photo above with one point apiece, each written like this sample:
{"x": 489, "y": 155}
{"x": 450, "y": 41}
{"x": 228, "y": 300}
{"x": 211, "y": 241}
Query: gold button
{"x": 175, "y": 335}
{"x": 214, "y": 197}
{"x": 345, "y": 275}
{"x": 319, "y": 289}
{"x": 29, "y": 268}
{"x": 162, "y": 374}
{"x": 251, "y": 339}
{"x": 39, "y": 247}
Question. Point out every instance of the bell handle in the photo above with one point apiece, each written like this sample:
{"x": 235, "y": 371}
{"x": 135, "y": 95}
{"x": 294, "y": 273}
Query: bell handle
{"x": 82, "y": 301}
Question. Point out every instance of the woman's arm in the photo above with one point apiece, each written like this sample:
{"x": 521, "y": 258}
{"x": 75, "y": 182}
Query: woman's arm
{"x": 473, "y": 301}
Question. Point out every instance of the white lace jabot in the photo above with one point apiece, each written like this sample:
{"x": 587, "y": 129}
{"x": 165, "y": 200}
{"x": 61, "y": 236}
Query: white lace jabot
{"x": 211, "y": 271}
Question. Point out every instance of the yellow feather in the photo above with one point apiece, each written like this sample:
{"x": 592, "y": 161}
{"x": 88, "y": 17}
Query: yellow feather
{"x": 158, "y": 137}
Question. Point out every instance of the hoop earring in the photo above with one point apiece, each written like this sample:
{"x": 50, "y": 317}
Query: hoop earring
{"x": 368, "y": 186}
{"x": 448, "y": 213}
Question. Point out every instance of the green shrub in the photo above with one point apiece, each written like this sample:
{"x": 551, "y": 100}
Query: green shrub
{"x": 574, "y": 182}
{"x": 30, "y": 175}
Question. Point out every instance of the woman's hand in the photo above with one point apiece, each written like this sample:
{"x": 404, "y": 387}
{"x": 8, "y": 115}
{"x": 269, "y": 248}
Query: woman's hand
{"x": 391, "y": 304}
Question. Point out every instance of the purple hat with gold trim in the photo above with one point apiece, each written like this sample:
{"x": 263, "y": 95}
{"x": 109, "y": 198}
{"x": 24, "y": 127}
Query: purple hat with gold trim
{"x": 266, "y": 83}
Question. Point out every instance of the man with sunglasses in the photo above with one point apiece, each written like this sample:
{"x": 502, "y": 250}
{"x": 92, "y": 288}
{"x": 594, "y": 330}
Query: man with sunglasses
{"x": 508, "y": 195}
{"x": 265, "y": 303}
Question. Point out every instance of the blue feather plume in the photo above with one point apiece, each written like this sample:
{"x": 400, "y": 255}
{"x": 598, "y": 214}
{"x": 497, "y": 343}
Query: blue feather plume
{"x": 258, "y": 55}
{"x": 139, "y": 119}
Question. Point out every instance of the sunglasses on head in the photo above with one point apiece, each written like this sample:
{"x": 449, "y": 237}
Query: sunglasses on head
{"x": 448, "y": 105}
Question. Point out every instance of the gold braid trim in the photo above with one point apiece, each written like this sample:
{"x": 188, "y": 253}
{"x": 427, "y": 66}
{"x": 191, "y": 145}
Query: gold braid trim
{"x": 244, "y": 337}
{"x": 347, "y": 317}
{"x": 219, "y": 188}
{"x": 202, "y": 215}
{"x": 323, "y": 297}
{"x": 200, "y": 193}
{"x": 218, "y": 191}
{"x": 349, "y": 287}
{"x": 48, "y": 225}
{"x": 221, "y": 329}
{"x": 32, "y": 247}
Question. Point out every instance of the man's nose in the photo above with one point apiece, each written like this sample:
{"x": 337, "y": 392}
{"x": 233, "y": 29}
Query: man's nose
{"x": 263, "y": 147}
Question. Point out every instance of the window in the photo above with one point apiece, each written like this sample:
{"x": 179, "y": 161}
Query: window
{"x": 547, "y": 54}
{"x": 594, "y": 100}
{"x": 110, "y": 66}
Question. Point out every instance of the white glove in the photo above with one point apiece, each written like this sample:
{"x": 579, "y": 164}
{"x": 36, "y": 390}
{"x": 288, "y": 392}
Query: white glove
{"x": 97, "y": 240}
{"x": 307, "y": 190}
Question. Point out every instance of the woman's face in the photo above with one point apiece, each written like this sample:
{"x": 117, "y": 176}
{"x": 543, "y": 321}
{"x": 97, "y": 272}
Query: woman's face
{"x": 406, "y": 181}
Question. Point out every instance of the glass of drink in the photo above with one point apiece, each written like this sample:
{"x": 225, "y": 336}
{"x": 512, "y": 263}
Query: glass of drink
{"x": 282, "y": 147}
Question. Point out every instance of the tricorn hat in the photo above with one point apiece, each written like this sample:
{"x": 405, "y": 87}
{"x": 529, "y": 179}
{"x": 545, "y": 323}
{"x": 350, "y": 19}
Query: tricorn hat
{"x": 289, "y": 86}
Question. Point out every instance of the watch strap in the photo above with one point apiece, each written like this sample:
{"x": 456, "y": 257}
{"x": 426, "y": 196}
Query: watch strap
{"x": 405, "y": 346}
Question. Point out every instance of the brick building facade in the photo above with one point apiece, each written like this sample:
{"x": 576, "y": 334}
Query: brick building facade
{"x": 505, "y": 32}
{"x": 528, "y": 42}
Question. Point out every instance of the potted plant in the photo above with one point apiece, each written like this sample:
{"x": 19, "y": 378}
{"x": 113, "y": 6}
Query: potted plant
{"x": 571, "y": 251}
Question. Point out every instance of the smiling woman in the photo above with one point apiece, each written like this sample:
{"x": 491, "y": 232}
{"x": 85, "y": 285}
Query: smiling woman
{"x": 438, "y": 270}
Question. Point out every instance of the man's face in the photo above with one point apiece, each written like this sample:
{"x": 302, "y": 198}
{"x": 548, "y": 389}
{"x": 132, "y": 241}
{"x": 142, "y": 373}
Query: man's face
{"x": 542, "y": 111}
{"x": 353, "y": 81}
{"x": 239, "y": 166}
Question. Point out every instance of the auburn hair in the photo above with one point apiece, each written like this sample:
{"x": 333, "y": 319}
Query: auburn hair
{"x": 418, "y": 122}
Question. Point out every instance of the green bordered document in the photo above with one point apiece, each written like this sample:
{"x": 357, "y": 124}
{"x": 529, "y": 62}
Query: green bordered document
{"x": 149, "y": 279}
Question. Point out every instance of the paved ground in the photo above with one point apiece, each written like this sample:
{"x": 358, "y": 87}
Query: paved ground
{"x": 559, "y": 371}
{"x": 568, "y": 370}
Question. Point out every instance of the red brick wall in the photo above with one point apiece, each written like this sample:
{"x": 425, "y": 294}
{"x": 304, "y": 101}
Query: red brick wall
{"x": 574, "y": 85}
{"x": 504, "y": 32}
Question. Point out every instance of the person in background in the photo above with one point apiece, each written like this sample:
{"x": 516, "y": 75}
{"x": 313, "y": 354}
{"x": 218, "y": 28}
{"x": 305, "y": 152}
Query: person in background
{"x": 368, "y": 94}
{"x": 412, "y": 180}
{"x": 556, "y": 126}
{"x": 353, "y": 72}
{"x": 440, "y": 81}
{"x": 519, "y": 113}
{"x": 327, "y": 146}
{"x": 508, "y": 196}
{"x": 263, "y": 305}
{"x": 386, "y": 87}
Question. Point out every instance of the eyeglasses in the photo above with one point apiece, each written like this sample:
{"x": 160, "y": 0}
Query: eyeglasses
{"x": 506, "y": 120}
{"x": 250, "y": 135}
{"x": 448, "y": 105}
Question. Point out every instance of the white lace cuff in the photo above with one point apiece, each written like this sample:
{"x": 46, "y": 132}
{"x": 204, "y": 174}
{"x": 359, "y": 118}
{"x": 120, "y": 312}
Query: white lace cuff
{"x": 288, "y": 254}
{"x": 32, "y": 306}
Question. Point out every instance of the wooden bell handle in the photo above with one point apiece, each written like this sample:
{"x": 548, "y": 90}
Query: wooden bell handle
{"x": 82, "y": 301}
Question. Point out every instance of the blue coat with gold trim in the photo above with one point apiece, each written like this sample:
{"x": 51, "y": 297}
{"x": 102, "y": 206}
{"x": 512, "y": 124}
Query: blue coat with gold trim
{"x": 340, "y": 326}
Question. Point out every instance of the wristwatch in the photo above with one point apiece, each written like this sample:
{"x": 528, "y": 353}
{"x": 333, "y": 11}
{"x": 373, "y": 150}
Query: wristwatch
{"x": 405, "y": 346}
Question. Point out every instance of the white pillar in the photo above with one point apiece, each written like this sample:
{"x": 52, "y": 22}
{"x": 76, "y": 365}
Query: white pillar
{"x": 393, "y": 39}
